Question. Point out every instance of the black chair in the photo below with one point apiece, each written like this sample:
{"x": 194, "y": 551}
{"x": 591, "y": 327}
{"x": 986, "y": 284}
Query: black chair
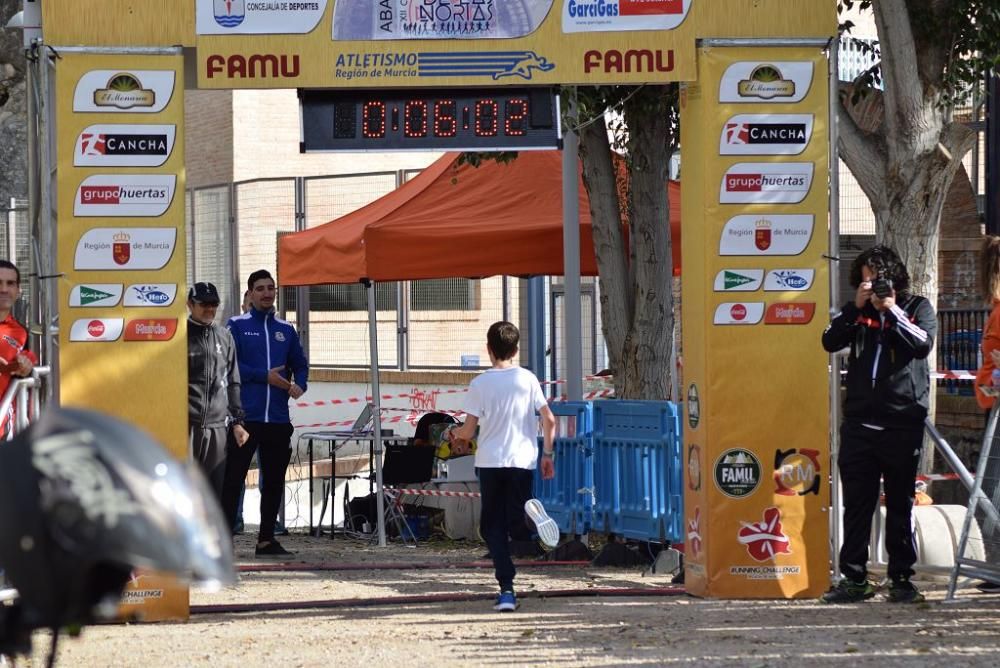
{"x": 404, "y": 465}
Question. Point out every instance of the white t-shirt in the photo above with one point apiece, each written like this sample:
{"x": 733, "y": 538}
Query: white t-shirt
{"x": 505, "y": 401}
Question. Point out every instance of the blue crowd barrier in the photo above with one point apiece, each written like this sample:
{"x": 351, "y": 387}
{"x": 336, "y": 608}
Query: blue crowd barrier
{"x": 568, "y": 498}
{"x": 638, "y": 488}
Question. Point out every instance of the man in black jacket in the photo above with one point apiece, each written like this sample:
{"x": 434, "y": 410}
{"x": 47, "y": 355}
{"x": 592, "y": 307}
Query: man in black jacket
{"x": 890, "y": 333}
{"x": 213, "y": 386}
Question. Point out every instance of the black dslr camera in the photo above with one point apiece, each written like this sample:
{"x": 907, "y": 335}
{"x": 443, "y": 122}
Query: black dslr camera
{"x": 882, "y": 285}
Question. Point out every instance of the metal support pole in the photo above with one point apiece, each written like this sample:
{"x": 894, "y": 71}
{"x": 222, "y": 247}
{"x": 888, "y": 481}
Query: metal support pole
{"x": 572, "y": 321}
{"x": 302, "y": 292}
{"x": 48, "y": 292}
{"x": 536, "y": 326}
{"x": 377, "y": 411}
{"x": 992, "y": 193}
{"x": 403, "y": 291}
{"x": 835, "y": 500}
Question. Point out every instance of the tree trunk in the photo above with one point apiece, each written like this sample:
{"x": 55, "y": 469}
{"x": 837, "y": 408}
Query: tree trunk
{"x": 636, "y": 285}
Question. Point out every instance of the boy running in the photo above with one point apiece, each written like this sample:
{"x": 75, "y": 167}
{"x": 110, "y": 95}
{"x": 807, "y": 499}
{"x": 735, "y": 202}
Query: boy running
{"x": 502, "y": 401}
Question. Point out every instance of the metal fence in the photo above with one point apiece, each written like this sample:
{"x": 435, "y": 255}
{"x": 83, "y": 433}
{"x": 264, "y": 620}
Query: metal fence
{"x": 233, "y": 229}
{"x": 958, "y": 345}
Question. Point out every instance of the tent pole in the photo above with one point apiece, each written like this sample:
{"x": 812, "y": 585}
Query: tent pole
{"x": 376, "y": 410}
{"x": 571, "y": 254}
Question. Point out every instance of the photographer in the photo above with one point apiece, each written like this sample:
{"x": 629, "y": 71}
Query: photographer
{"x": 890, "y": 333}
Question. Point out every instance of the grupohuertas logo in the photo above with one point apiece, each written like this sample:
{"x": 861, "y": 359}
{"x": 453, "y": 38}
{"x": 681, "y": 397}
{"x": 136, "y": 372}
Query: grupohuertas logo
{"x": 133, "y": 195}
{"x": 619, "y": 15}
{"x": 754, "y": 81}
{"x": 766, "y": 134}
{"x": 135, "y": 91}
{"x": 737, "y": 473}
{"x": 124, "y": 145}
{"x": 95, "y": 294}
{"x": 243, "y": 17}
{"x": 738, "y": 280}
{"x": 766, "y": 183}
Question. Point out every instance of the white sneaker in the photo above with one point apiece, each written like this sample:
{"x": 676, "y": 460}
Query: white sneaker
{"x": 548, "y": 531}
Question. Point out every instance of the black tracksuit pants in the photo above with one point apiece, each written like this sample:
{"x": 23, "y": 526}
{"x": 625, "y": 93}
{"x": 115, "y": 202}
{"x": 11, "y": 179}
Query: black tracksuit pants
{"x": 275, "y": 443}
{"x": 866, "y": 455}
{"x": 504, "y": 492}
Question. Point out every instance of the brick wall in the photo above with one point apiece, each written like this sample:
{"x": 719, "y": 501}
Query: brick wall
{"x": 208, "y": 137}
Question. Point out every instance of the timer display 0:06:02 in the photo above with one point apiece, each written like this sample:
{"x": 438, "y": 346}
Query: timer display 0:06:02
{"x": 421, "y": 117}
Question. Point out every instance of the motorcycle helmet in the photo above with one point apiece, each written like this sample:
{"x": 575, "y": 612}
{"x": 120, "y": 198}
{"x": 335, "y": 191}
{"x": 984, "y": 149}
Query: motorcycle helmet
{"x": 86, "y": 498}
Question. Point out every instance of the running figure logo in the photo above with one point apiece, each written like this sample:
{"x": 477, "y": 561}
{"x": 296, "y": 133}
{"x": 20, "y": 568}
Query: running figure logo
{"x": 765, "y": 540}
{"x": 523, "y": 66}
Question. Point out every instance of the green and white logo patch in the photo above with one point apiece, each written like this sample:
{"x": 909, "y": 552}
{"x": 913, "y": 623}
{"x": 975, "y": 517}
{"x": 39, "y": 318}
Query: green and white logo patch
{"x": 95, "y": 294}
{"x": 739, "y": 280}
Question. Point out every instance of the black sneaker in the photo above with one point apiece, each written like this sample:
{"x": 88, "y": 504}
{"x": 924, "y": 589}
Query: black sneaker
{"x": 988, "y": 587}
{"x": 849, "y": 591}
{"x": 901, "y": 590}
{"x": 271, "y": 549}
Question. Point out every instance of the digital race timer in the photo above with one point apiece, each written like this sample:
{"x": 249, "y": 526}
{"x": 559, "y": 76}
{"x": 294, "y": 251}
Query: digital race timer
{"x": 458, "y": 119}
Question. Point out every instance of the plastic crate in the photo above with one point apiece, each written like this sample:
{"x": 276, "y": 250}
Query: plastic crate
{"x": 568, "y": 498}
{"x": 638, "y": 489}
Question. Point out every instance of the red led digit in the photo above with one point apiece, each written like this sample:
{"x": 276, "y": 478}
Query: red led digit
{"x": 515, "y": 117}
{"x": 415, "y": 119}
{"x": 373, "y": 115}
{"x": 486, "y": 118}
{"x": 445, "y": 120}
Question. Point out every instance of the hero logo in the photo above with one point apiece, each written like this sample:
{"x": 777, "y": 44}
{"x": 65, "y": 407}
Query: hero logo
{"x": 633, "y": 60}
{"x": 778, "y": 280}
{"x": 257, "y": 66}
{"x": 766, "y": 134}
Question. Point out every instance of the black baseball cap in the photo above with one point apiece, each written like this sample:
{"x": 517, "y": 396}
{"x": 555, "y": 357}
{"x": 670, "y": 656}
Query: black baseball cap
{"x": 204, "y": 293}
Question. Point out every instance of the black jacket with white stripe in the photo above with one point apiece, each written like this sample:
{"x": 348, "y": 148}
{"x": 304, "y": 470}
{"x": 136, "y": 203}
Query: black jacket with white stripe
{"x": 888, "y": 382}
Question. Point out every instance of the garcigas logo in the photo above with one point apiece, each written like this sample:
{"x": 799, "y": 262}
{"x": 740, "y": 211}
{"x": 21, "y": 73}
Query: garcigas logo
{"x": 620, "y": 15}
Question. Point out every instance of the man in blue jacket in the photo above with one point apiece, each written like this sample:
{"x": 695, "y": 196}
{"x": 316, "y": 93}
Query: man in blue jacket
{"x": 273, "y": 368}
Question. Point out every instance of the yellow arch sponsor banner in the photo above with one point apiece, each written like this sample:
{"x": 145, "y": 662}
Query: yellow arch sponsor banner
{"x": 433, "y": 43}
{"x": 122, "y": 257}
{"x": 755, "y": 210}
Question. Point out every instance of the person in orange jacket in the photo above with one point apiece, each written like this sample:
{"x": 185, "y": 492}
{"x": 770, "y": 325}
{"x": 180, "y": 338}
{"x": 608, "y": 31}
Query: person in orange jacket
{"x": 986, "y": 391}
{"x": 16, "y": 361}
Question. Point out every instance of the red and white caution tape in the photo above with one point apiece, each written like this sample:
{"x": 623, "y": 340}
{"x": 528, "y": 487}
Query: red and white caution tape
{"x": 954, "y": 374}
{"x": 938, "y": 476}
{"x": 436, "y": 492}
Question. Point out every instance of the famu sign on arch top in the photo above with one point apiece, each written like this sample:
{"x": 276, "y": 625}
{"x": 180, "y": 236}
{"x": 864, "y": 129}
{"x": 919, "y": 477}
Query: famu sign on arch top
{"x": 433, "y": 43}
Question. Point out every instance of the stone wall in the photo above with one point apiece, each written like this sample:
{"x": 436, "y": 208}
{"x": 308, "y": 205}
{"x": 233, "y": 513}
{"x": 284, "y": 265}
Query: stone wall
{"x": 13, "y": 111}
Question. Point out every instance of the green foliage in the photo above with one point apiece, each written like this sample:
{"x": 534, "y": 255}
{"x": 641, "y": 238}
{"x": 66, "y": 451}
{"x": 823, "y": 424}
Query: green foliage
{"x": 966, "y": 32}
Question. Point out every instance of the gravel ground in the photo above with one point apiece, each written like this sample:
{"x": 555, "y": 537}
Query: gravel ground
{"x": 582, "y": 630}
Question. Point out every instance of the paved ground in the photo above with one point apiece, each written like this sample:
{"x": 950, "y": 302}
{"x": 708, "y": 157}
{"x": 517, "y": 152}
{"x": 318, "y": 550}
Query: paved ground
{"x": 578, "y": 631}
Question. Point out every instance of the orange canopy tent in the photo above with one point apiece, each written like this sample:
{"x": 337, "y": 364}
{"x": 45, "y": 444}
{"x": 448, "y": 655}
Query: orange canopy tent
{"x": 454, "y": 221}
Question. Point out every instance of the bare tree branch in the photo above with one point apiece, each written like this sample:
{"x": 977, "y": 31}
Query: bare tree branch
{"x": 904, "y": 99}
